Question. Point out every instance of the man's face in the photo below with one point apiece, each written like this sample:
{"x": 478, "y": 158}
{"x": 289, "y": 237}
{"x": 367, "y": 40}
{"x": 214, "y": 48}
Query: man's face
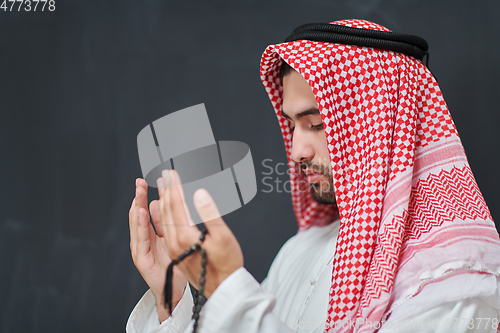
{"x": 309, "y": 146}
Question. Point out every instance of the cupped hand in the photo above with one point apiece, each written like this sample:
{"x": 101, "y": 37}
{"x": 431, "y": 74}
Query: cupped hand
{"x": 224, "y": 255}
{"x": 149, "y": 250}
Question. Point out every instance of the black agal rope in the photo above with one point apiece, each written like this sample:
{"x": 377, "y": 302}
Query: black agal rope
{"x": 198, "y": 299}
{"x": 411, "y": 45}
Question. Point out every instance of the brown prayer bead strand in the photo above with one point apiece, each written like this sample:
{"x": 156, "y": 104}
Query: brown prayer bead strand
{"x": 198, "y": 294}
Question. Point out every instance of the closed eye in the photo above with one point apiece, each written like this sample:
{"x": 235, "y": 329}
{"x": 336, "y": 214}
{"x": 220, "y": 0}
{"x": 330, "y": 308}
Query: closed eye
{"x": 317, "y": 127}
{"x": 313, "y": 127}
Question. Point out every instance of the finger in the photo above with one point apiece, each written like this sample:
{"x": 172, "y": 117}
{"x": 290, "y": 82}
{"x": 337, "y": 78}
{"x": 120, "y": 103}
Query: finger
{"x": 141, "y": 200}
{"x": 167, "y": 223}
{"x": 176, "y": 201}
{"x": 209, "y": 213}
{"x": 142, "y": 183}
{"x": 152, "y": 233}
{"x": 186, "y": 234}
{"x": 133, "y": 201}
{"x": 132, "y": 220}
{"x": 142, "y": 194}
{"x": 133, "y": 205}
{"x": 154, "y": 211}
{"x": 181, "y": 190}
{"x": 132, "y": 225}
{"x": 143, "y": 233}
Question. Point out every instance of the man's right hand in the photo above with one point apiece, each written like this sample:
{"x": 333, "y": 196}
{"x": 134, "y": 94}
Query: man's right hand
{"x": 149, "y": 250}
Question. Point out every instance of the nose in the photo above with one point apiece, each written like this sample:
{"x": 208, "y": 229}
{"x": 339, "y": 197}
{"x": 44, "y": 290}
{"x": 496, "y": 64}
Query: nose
{"x": 302, "y": 149}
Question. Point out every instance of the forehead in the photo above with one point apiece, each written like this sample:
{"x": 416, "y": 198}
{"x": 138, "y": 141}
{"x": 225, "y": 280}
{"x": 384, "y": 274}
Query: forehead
{"x": 297, "y": 95}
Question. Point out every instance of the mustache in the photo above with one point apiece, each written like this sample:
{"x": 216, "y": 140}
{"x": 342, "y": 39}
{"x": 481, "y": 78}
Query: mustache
{"x": 315, "y": 167}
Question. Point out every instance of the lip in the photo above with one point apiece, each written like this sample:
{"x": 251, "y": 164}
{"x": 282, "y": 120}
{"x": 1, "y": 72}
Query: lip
{"x": 311, "y": 171}
{"x": 313, "y": 177}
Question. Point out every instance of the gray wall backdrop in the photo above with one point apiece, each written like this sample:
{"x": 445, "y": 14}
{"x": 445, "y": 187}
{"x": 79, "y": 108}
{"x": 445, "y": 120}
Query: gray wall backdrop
{"x": 79, "y": 83}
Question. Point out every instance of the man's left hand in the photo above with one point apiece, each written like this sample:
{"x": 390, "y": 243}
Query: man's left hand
{"x": 223, "y": 251}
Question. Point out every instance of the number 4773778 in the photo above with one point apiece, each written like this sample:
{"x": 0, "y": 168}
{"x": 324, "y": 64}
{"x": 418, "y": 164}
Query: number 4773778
{"x": 28, "y": 5}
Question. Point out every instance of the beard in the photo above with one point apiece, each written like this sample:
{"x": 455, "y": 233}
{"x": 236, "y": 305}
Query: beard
{"x": 322, "y": 191}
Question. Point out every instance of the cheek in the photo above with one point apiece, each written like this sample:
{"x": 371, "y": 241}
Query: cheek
{"x": 321, "y": 147}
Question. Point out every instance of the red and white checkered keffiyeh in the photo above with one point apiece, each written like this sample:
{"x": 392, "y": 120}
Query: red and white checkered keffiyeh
{"x": 410, "y": 210}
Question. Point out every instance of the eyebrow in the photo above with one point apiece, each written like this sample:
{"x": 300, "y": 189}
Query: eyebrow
{"x": 301, "y": 114}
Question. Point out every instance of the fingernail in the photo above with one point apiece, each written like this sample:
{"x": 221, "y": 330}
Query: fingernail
{"x": 202, "y": 197}
{"x": 160, "y": 183}
{"x": 167, "y": 178}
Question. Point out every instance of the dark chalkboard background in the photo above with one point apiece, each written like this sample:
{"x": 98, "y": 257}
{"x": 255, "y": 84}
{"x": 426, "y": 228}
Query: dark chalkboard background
{"x": 79, "y": 83}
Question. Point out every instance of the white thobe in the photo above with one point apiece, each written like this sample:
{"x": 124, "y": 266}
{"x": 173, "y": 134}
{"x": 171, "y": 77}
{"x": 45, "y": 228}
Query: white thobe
{"x": 294, "y": 298}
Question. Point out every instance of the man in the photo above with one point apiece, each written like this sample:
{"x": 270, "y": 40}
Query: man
{"x": 394, "y": 235}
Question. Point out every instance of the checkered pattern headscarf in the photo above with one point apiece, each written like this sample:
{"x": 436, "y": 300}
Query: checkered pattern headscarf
{"x": 403, "y": 184}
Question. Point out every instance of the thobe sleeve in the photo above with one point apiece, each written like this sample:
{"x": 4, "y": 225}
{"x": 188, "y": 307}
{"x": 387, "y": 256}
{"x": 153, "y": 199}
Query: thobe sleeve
{"x": 248, "y": 298}
{"x": 240, "y": 304}
{"x": 144, "y": 317}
